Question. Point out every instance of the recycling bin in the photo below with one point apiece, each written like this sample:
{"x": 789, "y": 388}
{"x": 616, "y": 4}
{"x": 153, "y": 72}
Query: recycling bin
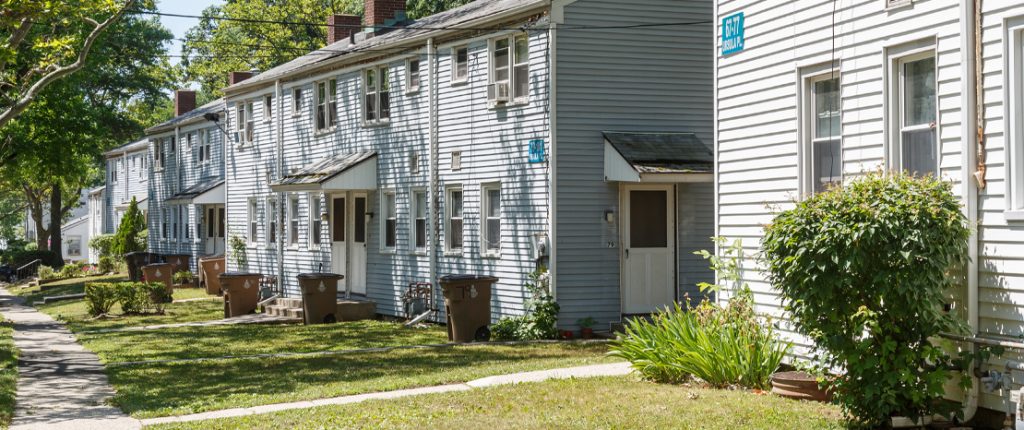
{"x": 135, "y": 261}
{"x": 467, "y": 301}
{"x": 160, "y": 273}
{"x": 319, "y": 297}
{"x": 241, "y": 292}
{"x": 210, "y": 269}
{"x": 179, "y": 261}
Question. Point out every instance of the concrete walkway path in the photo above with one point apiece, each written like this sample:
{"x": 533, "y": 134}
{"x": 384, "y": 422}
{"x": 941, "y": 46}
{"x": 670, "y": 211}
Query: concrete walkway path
{"x": 61, "y": 385}
{"x": 597, "y": 370}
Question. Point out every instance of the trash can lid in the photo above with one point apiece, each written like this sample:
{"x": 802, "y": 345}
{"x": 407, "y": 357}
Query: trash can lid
{"x": 468, "y": 277}
{"x": 320, "y": 275}
{"x": 237, "y": 274}
{"x": 157, "y": 264}
{"x": 210, "y": 257}
{"x": 139, "y": 253}
{"x": 178, "y": 255}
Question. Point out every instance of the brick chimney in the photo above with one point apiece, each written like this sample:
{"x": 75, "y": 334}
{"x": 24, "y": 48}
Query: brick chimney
{"x": 377, "y": 12}
{"x": 236, "y": 77}
{"x": 184, "y": 102}
{"x": 341, "y": 27}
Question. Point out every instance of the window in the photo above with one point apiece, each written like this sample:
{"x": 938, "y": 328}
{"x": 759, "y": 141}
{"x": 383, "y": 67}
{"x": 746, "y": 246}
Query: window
{"x": 1014, "y": 112}
{"x": 419, "y": 224}
{"x": 211, "y": 215}
{"x": 253, "y": 224}
{"x": 175, "y": 218}
{"x": 74, "y": 246}
{"x": 453, "y": 211}
{"x": 173, "y": 143}
{"x": 293, "y": 220}
{"x": 326, "y": 104}
{"x": 390, "y": 223}
{"x": 315, "y": 224}
{"x": 113, "y": 170}
{"x": 917, "y": 147}
{"x": 183, "y": 222}
{"x": 163, "y": 223}
{"x": 158, "y": 154}
{"x": 822, "y": 152}
{"x": 268, "y": 108}
{"x": 189, "y": 140}
{"x": 521, "y": 67}
{"x": 204, "y": 147}
{"x": 491, "y": 219}
{"x": 271, "y": 221}
{"x": 510, "y": 68}
{"x": 460, "y": 61}
{"x": 249, "y": 122}
{"x": 412, "y": 75}
{"x": 296, "y": 101}
{"x": 376, "y": 87}
{"x": 239, "y": 122}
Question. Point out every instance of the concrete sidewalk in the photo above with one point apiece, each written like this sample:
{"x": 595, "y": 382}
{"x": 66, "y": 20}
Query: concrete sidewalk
{"x": 61, "y": 385}
{"x": 612, "y": 369}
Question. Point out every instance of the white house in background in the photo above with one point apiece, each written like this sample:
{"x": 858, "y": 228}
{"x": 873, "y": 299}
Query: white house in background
{"x": 75, "y": 236}
{"x": 80, "y": 210}
{"x": 96, "y": 208}
{"x": 127, "y": 177}
{"x": 186, "y": 190}
{"x": 570, "y": 133}
{"x": 811, "y": 92}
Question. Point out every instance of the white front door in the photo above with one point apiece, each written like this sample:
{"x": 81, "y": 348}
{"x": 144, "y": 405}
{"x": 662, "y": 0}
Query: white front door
{"x": 357, "y": 246}
{"x": 648, "y": 248}
{"x": 213, "y": 228}
{"x": 339, "y": 245}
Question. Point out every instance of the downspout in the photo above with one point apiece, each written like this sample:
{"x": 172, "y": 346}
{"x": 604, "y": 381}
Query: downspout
{"x": 280, "y": 196}
{"x": 174, "y": 180}
{"x": 553, "y": 159}
{"x": 714, "y": 131}
{"x": 432, "y": 171}
{"x": 971, "y": 181}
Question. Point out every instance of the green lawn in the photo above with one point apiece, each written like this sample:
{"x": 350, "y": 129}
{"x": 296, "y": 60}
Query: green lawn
{"x": 8, "y": 373}
{"x": 597, "y": 403}
{"x": 63, "y": 286}
{"x": 182, "y": 388}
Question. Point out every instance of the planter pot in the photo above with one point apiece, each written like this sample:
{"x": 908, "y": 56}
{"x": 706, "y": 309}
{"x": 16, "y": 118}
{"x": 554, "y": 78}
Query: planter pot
{"x": 908, "y": 423}
{"x": 567, "y": 334}
{"x": 799, "y": 386}
{"x": 587, "y": 333}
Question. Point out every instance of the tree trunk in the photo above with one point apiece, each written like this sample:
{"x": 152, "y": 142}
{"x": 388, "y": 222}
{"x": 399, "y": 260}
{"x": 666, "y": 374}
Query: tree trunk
{"x": 56, "y": 212}
{"x": 42, "y": 232}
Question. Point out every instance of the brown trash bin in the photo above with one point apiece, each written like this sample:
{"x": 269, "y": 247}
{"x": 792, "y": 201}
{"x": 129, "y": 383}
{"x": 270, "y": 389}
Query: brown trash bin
{"x": 241, "y": 292}
{"x": 467, "y": 301}
{"x": 160, "y": 272}
{"x": 210, "y": 269}
{"x": 181, "y": 262}
{"x": 319, "y": 297}
{"x": 136, "y": 260}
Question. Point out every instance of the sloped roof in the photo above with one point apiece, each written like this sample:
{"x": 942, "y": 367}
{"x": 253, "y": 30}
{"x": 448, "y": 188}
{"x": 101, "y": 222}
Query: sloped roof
{"x": 449, "y": 20}
{"x": 662, "y": 152}
{"x": 323, "y": 170}
{"x": 128, "y": 147}
{"x": 196, "y": 190}
{"x": 189, "y": 117}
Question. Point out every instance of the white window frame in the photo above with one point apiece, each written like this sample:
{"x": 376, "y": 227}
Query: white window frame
{"x": 272, "y": 229}
{"x": 1013, "y": 66}
{"x": 316, "y": 208}
{"x": 456, "y": 78}
{"x": 448, "y": 218}
{"x": 113, "y": 170}
{"x": 412, "y": 82}
{"x": 268, "y": 108}
{"x": 512, "y": 65}
{"x": 382, "y": 82}
{"x": 189, "y": 140}
{"x": 896, "y": 57}
{"x": 329, "y": 103}
{"x": 158, "y": 155}
{"x": 250, "y": 122}
{"x": 240, "y": 123}
{"x": 485, "y": 217}
{"x": 808, "y": 77}
{"x": 253, "y": 219}
{"x": 297, "y": 101}
{"x": 74, "y": 238}
{"x": 388, "y": 214}
{"x": 293, "y": 210}
{"x": 164, "y": 232}
{"x": 413, "y": 218}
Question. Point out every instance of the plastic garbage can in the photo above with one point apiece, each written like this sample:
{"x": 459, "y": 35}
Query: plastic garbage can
{"x": 467, "y": 301}
{"x": 241, "y": 292}
{"x": 135, "y": 261}
{"x": 210, "y": 269}
{"x": 181, "y": 262}
{"x": 160, "y": 273}
{"x": 319, "y": 297}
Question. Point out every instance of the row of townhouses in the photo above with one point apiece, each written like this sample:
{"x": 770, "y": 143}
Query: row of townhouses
{"x": 606, "y": 140}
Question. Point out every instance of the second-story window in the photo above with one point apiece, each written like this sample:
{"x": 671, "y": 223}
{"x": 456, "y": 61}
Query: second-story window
{"x": 240, "y": 122}
{"x": 412, "y": 75}
{"x": 249, "y": 122}
{"x": 460, "y": 64}
{"x": 326, "y": 104}
{"x": 113, "y": 170}
{"x": 268, "y": 108}
{"x": 296, "y": 101}
{"x": 510, "y": 69}
{"x": 158, "y": 154}
{"x": 377, "y": 101}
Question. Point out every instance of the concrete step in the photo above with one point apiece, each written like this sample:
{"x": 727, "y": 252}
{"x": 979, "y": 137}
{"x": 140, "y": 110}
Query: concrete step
{"x": 284, "y": 311}
{"x": 288, "y": 302}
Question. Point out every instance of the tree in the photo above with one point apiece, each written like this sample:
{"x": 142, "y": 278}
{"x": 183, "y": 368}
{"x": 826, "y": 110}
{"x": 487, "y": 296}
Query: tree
{"x": 421, "y": 8}
{"x": 128, "y": 233}
{"x": 43, "y": 37}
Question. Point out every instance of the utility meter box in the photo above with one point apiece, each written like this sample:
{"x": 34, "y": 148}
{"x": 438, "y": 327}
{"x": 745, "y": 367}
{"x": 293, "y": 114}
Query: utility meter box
{"x": 539, "y": 245}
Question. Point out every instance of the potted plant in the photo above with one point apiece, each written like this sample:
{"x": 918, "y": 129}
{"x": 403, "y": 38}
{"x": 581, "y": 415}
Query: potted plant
{"x": 566, "y": 334}
{"x": 586, "y": 327}
{"x": 799, "y": 385}
{"x": 184, "y": 278}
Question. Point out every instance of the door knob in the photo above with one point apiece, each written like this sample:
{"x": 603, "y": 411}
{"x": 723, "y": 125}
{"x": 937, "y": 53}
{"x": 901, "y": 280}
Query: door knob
{"x": 627, "y": 253}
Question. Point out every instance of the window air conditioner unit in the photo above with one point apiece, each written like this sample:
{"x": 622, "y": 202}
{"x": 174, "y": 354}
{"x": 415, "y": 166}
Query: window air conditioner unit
{"x": 498, "y": 92}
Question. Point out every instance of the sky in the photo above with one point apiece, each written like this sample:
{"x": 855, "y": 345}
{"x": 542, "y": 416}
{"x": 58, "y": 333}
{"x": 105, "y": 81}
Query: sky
{"x": 179, "y": 26}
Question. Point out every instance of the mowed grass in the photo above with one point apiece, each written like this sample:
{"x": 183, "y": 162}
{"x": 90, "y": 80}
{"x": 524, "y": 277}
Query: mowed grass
{"x": 8, "y": 372}
{"x": 250, "y": 339}
{"x": 74, "y": 313}
{"x": 155, "y": 390}
{"x": 62, "y": 287}
{"x": 596, "y": 403}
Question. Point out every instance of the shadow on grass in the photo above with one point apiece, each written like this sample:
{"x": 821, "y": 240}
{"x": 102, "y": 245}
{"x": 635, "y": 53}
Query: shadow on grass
{"x": 173, "y": 389}
{"x": 8, "y": 372}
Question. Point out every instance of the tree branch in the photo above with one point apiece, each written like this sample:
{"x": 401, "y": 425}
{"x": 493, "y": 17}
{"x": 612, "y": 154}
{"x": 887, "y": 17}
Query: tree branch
{"x": 16, "y": 38}
{"x": 22, "y": 103}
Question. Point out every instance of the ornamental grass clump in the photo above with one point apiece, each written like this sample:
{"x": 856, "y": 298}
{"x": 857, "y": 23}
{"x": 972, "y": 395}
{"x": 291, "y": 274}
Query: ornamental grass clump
{"x": 864, "y": 271}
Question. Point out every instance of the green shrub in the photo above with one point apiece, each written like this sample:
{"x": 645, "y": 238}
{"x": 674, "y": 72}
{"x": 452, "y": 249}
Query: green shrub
{"x": 183, "y": 277}
{"x": 127, "y": 238}
{"x": 46, "y": 272}
{"x": 103, "y": 244}
{"x": 107, "y": 264}
{"x": 133, "y": 297}
{"x": 722, "y": 345}
{"x": 158, "y": 295}
{"x": 541, "y": 318}
{"x": 72, "y": 270}
{"x": 100, "y": 297}
{"x": 863, "y": 271}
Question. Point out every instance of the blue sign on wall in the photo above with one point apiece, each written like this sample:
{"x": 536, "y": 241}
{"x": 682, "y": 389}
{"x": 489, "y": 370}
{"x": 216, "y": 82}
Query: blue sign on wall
{"x": 537, "y": 151}
{"x": 732, "y": 33}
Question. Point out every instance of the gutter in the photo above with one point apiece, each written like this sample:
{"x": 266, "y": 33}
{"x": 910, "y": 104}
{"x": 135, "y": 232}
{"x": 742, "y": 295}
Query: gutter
{"x": 278, "y": 91}
{"x": 553, "y": 160}
{"x": 432, "y": 170}
{"x": 970, "y": 66}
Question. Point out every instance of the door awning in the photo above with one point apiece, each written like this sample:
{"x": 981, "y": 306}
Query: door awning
{"x": 204, "y": 193}
{"x": 656, "y": 157}
{"x": 349, "y": 171}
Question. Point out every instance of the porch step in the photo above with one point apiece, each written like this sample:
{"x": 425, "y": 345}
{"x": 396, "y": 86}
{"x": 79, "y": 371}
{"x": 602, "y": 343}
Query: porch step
{"x": 288, "y": 302}
{"x": 284, "y": 311}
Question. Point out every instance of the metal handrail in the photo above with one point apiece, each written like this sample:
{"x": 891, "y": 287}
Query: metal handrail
{"x": 23, "y": 271}
{"x": 36, "y": 261}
